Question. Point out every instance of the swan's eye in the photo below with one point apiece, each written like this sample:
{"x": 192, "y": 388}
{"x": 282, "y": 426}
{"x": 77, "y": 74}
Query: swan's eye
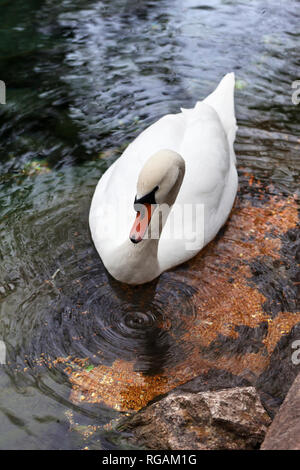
{"x": 147, "y": 199}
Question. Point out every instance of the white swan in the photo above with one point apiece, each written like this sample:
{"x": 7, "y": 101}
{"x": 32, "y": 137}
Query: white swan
{"x": 181, "y": 163}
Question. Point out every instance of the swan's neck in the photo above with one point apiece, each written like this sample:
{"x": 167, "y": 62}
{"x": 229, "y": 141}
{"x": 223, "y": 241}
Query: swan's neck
{"x": 137, "y": 263}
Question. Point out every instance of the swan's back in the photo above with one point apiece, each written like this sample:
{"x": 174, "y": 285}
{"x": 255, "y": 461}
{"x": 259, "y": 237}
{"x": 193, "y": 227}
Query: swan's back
{"x": 211, "y": 176}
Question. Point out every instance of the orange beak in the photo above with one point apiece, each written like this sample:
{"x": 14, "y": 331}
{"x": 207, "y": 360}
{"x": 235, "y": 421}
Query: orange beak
{"x": 141, "y": 223}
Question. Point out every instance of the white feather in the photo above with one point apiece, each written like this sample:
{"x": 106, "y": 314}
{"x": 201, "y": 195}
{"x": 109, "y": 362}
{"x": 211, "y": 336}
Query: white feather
{"x": 204, "y": 137}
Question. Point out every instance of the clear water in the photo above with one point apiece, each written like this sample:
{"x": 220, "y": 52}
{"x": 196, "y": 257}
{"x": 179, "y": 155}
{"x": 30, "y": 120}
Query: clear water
{"x": 83, "y": 79}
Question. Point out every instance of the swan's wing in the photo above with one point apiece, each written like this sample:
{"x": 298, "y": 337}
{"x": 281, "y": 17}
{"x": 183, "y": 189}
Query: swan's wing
{"x": 210, "y": 182}
{"x": 222, "y": 100}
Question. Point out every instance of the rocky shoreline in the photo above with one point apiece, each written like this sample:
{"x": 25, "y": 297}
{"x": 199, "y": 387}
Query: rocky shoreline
{"x": 284, "y": 432}
{"x": 233, "y": 417}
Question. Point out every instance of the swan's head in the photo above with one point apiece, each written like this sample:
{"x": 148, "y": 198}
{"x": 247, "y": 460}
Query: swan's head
{"x": 158, "y": 183}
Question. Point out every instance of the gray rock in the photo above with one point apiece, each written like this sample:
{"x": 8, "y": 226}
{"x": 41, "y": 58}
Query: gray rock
{"x": 223, "y": 419}
{"x": 284, "y": 432}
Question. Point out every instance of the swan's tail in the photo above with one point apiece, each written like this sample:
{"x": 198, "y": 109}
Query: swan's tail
{"x": 222, "y": 100}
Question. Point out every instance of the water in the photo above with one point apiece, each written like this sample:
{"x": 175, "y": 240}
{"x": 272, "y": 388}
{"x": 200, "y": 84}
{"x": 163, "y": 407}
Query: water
{"x": 83, "y": 79}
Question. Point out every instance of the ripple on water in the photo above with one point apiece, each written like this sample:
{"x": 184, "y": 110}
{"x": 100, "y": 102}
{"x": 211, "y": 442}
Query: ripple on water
{"x": 233, "y": 327}
{"x": 81, "y": 91}
{"x": 123, "y": 345}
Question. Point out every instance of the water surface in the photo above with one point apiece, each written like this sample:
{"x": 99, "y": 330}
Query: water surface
{"x": 83, "y": 79}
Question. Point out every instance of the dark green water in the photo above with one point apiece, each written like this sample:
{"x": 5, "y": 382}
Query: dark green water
{"x": 83, "y": 79}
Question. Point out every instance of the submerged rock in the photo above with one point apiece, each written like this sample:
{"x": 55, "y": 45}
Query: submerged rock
{"x": 224, "y": 419}
{"x": 284, "y": 433}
